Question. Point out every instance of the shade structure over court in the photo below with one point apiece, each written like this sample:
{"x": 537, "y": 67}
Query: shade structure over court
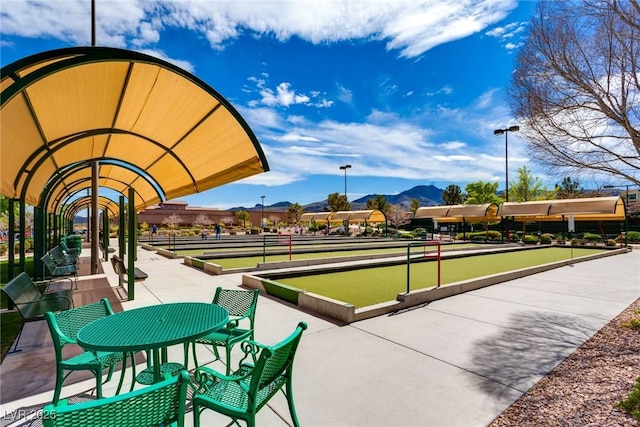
{"x": 315, "y": 216}
{"x": 104, "y": 204}
{"x": 373, "y": 215}
{"x": 586, "y": 209}
{"x": 152, "y": 126}
{"x": 460, "y": 213}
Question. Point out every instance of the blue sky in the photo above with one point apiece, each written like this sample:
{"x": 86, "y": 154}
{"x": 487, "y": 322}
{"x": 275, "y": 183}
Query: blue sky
{"x": 408, "y": 92}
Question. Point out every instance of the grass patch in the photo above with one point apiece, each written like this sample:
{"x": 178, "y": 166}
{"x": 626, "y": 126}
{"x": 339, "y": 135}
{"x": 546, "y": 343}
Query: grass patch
{"x": 365, "y": 287}
{"x": 4, "y": 269}
{"x": 252, "y": 261}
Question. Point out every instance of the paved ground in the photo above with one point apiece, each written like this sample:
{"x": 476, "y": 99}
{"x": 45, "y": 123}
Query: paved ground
{"x": 455, "y": 362}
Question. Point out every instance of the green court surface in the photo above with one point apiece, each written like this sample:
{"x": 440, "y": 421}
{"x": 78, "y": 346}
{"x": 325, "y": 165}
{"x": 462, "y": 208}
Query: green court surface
{"x": 252, "y": 261}
{"x": 365, "y": 287}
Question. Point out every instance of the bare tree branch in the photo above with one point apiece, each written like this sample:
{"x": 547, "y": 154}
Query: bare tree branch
{"x": 576, "y": 88}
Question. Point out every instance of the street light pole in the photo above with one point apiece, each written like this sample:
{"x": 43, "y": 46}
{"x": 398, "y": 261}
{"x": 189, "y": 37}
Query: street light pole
{"x": 344, "y": 168}
{"x": 506, "y": 131}
{"x": 262, "y": 214}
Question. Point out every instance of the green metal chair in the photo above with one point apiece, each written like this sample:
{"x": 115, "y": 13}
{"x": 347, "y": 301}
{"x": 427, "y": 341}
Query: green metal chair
{"x": 161, "y": 404}
{"x": 67, "y": 249}
{"x": 242, "y": 308}
{"x": 64, "y": 327}
{"x": 242, "y": 394}
{"x": 67, "y": 271}
{"x": 61, "y": 257}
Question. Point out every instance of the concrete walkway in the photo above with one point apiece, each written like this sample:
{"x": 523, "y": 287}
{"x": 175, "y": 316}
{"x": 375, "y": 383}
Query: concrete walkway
{"x": 459, "y": 361}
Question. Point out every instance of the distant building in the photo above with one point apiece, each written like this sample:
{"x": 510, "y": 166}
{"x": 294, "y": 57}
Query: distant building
{"x": 160, "y": 214}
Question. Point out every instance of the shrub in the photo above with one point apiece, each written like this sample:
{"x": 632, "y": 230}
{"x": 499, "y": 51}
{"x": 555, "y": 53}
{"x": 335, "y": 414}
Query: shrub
{"x": 546, "y": 238}
{"x": 3, "y": 249}
{"x": 634, "y": 322}
{"x": 402, "y": 234}
{"x": 631, "y": 405}
{"x": 611, "y": 242}
{"x": 632, "y": 237}
{"x": 530, "y": 239}
{"x": 420, "y": 232}
{"x": 591, "y": 236}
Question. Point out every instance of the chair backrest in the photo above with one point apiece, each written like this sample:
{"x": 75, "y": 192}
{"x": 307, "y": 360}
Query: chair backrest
{"x": 275, "y": 360}
{"x": 162, "y": 403}
{"x": 238, "y": 303}
{"x": 49, "y": 262}
{"x": 117, "y": 263}
{"x": 64, "y": 246}
{"x": 57, "y": 254}
{"x": 64, "y": 325}
{"x": 21, "y": 289}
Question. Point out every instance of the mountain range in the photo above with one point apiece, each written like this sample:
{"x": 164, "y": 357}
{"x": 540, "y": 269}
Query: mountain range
{"x": 428, "y": 195}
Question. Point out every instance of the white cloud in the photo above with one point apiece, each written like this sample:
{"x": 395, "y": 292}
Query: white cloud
{"x": 283, "y": 96}
{"x": 410, "y": 26}
{"x": 344, "y": 95}
{"x": 185, "y": 65}
{"x": 447, "y": 90}
{"x": 390, "y": 146}
{"x": 513, "y": 46}
{"x": 508, "y": 32}
{"x": 297, "y": 137}
{"x": 453, "y": 145}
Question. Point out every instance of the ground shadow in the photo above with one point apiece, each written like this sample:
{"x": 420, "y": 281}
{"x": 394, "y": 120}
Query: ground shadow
{"x": 529, "y": 346}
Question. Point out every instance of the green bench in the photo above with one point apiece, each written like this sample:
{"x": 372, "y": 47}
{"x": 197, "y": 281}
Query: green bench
{"x": 121, "y": 271}
{"x": 61, "y": 257}
{"x": 64, "y": 272}
{"x": 31, "y": 303}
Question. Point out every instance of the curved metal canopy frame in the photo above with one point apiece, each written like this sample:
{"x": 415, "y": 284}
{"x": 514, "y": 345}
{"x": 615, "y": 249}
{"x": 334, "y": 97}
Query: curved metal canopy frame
{"x": 71, "y": 106}
{"x": 77, "y": 205}
{"x": 70, "y": 199}
{"x": 78, "y": 176}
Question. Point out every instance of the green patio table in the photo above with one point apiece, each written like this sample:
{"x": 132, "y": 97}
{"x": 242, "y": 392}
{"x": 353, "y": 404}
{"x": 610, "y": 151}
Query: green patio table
{"x": 152, "y": 328}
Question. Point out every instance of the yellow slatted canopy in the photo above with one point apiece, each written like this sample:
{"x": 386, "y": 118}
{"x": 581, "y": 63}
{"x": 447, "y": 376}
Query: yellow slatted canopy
{"x": 81, "y": 203}
{"x": 533, "y": 208}
{"x": 472, "y": 213}
{"x": 586, "y": 209}
{"x": 315, "y": 216}
{"x": 77, "y": 105}
{"x": 357, "y": 216}
{"x": 599, "y": 207}
{"x": 432, "y": 211}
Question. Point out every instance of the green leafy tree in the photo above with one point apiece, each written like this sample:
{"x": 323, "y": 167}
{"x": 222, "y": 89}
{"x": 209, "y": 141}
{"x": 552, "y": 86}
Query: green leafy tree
{"x": 414, "y": 206}
{"x": 452, "y": 195}
{"x": 243, "y": 216}
{"x": 338, "y": 202}
{"x": 527, "y": 188}
{"x": 569, "y": 189}
{"x": 380, "y": 203}
{"x": 4, "y": 206}
{"x": 295, "y": 211}
{"x": 481, "y": 192}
